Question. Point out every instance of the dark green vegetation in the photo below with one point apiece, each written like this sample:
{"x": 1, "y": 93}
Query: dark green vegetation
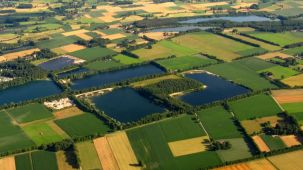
{"x": 154, "y": 138}
{"x": 83, "y": 125}
{"x": 273, "y": 142}
{"x": 30, "y": 112}
{"x": 23, "y": 162}
{"x": 58, "y": 42}
{"x": 219, "y": 123}
{"x": 44, "y": 160}
{"x": 93, "y": 53}
{"x": 257, "y": 106}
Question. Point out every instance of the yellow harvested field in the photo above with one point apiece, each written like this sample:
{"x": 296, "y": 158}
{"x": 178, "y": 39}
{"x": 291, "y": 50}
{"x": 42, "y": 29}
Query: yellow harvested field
{"x": 203, "y": 6}
{"x": 157, "y": 35}
{"x": 252, "y": 126}
{"x": 77, "y": 32}
{"x": 132, "y": 18}
{"x": 7, "y": 37}
{"x": 122, "y": 150}
{"x": 243, "y": 5}
{"x": 75, "y": 26}
{"x": 288, "y": 96}
{"x": 154, "y": 80}
{"x": 108, "y": 17}
{"x": 69, "y": 112}
{"x": 260, "y": 164}
{"x": 63, "y": 162}
{"x": 69, "y": 48}
{"x": 84, "y": 37}
{"x": 261, "y": 144}
{"x": 268, "y": 56}
{"x": 40, "y": 35}
{"x": 15, "y": 55}
{"x": 188, "y": 146}
{"x": 7, "y": 163}
{"x": 100, "y": 33}
{"x": 114, "y": 36}
{"x": 105, "y": 154}
{"x": 115, "y": 26}
{"x": 288, "y": 161}
{"x": 294, "y": 81}
{"x": 290, "y": 140}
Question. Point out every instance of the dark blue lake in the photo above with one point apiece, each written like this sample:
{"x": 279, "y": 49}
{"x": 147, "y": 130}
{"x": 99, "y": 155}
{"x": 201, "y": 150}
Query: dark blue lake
{"x": 250, "y": 18}
{"x": 125, "y": 105}
{"x": 217, "y": 89}
{"x": 74, "y": 71}
{"x": 32, "y": 90}
{"x": 57, "y": 63}
{"x": 115, "y": 76}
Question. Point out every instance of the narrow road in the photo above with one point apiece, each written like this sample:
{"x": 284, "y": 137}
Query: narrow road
{"x": 200, "y": 123}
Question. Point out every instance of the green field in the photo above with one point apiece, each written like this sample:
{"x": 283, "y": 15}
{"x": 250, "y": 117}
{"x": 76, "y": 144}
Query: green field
{"x": 100, "y": 65}
{"x": 255, "y": 64}
{"x": 218, "y": 123}
{"x": 88, "y": 155}
{"x": 150, "y": 145}
{"x": 93, "y": 53}
{"x": 215, "y": 45}
{"x": 11, "y": 136}
{"x": 82, "y": 125}
{"x": 283, "y": 38}
{"x": 57, "y": 42}
{"x": 42, "y": 27}
{"x": 280, "y": 72}
{"x": 295, "y": 110}
{"x": 164, "y": 49}
{"x": 23, "y": 162}
{"x": 30, "y": 112}
{"x": 238, "y": 72}
{"x": 294, "y": 51}
{"x": 44, "y": 160}
{"x": 126, "y": 59}
{"x": 254, "y": 107}
{"x": 274, "y": 143}
{"x": 238, "y": 150}
{"x": 42, "y": 133}
{"x": 185, "y": 63}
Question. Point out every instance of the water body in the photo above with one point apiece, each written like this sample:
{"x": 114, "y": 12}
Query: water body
{"x": 115, "y": 76}
{"x": 74, "y": 71}
{"x": 217, "y": 89}
{"x": 125, "y": 105}
{"x": 179, "y": 29}
{"x": 57, "y": 63}
{"x": 250, "y": 18}
{"x": 32, "y": 90}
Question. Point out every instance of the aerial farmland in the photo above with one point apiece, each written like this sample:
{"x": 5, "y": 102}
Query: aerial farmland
{"x": 151, "y": 84}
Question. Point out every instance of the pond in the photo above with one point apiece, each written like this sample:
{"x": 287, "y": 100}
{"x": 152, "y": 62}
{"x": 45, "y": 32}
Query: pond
{"x": 29, "y": 91}
{"x": 179, "y": 29}
{"x": 70, "y": 72}
{"x": 249, "y": 18}
{"x": 57, "y": 63}
{"x": 217, "y": 89}
{"x": 115, "y": 76}
{"x": 125, "y": 105}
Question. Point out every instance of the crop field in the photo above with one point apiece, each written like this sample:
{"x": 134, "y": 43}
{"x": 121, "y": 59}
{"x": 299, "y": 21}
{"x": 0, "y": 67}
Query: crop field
{"x": 294, "y": 81}
{"x": 291, "y": 160}
{"x": 263, "y": 45}
{"x": 282, "y": 39}
{"x": 57, "y": 42}
{"x": 263, "y": 147}
{"x": 272, "y": 55}
{"x": 290, "y": 140}
{"x": 23, "y": 162}
{"x": 100, "y": 65}
{"x": 254, "y": 126}
{"x": 15, "y": 55}
{"x": 69, "y": 112}
{"x": 295, "y": 110}
{"x": 164, "y": 49}
{"x": 64, "y": 160}
{"x": 258, "y": 164}
{"x": 253, "y": 107}
{"x": 68, "y": 48}
{"x": 239, "y": 150}
{"x": 273, "y": 142}
{"x": 30, "y": 112}
{"x": 154, "y": 80}
{"x": 126, "y": 59}
{"x": 42, "y": 133}
{"x": 239, "y": 73}
{"x": 88, "y": 155}
{"x": 280, "y": 72}
{"x": 185, "y": 62}
{"x": 44, "y": 160}
{"x": 93, "y": 53}
{"x": 82, "y": 125}
{"x": 229, "y": 49}
{"x": 11, "y": 136}
{"x": 8, "y": 163}
{"x": 218, "y": 123}
{"x": 155, "y": 137}
{"x": 288, "y": 95}
{"x": 294, "y": 51}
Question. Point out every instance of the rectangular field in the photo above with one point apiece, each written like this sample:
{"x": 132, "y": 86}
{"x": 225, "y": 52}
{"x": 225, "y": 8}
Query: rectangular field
{"x": 100, "y": 65}
{"x": 263, "y": 147}
{"x": 273, "y": 142}
{"x": 294, "y": 81}
{"x": 8, "y": 163}
{"x": 23, "y": 162}
{"x": 218, "y": 123}
{"x": 93, "y": 53}
{"x": 229, "y": 49}
{"x": 126, "y": 59}
{"x": 283, "y": 38}
{"x": 291, "y": 160}
{"x": 254, "y": 126}
{"x": 88, "y": 155}
{"x": 288, "y": 95}
{"x": 280, "y": 72}
{"x": 44, "y": 160}
{"x": 254, "y": 107}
